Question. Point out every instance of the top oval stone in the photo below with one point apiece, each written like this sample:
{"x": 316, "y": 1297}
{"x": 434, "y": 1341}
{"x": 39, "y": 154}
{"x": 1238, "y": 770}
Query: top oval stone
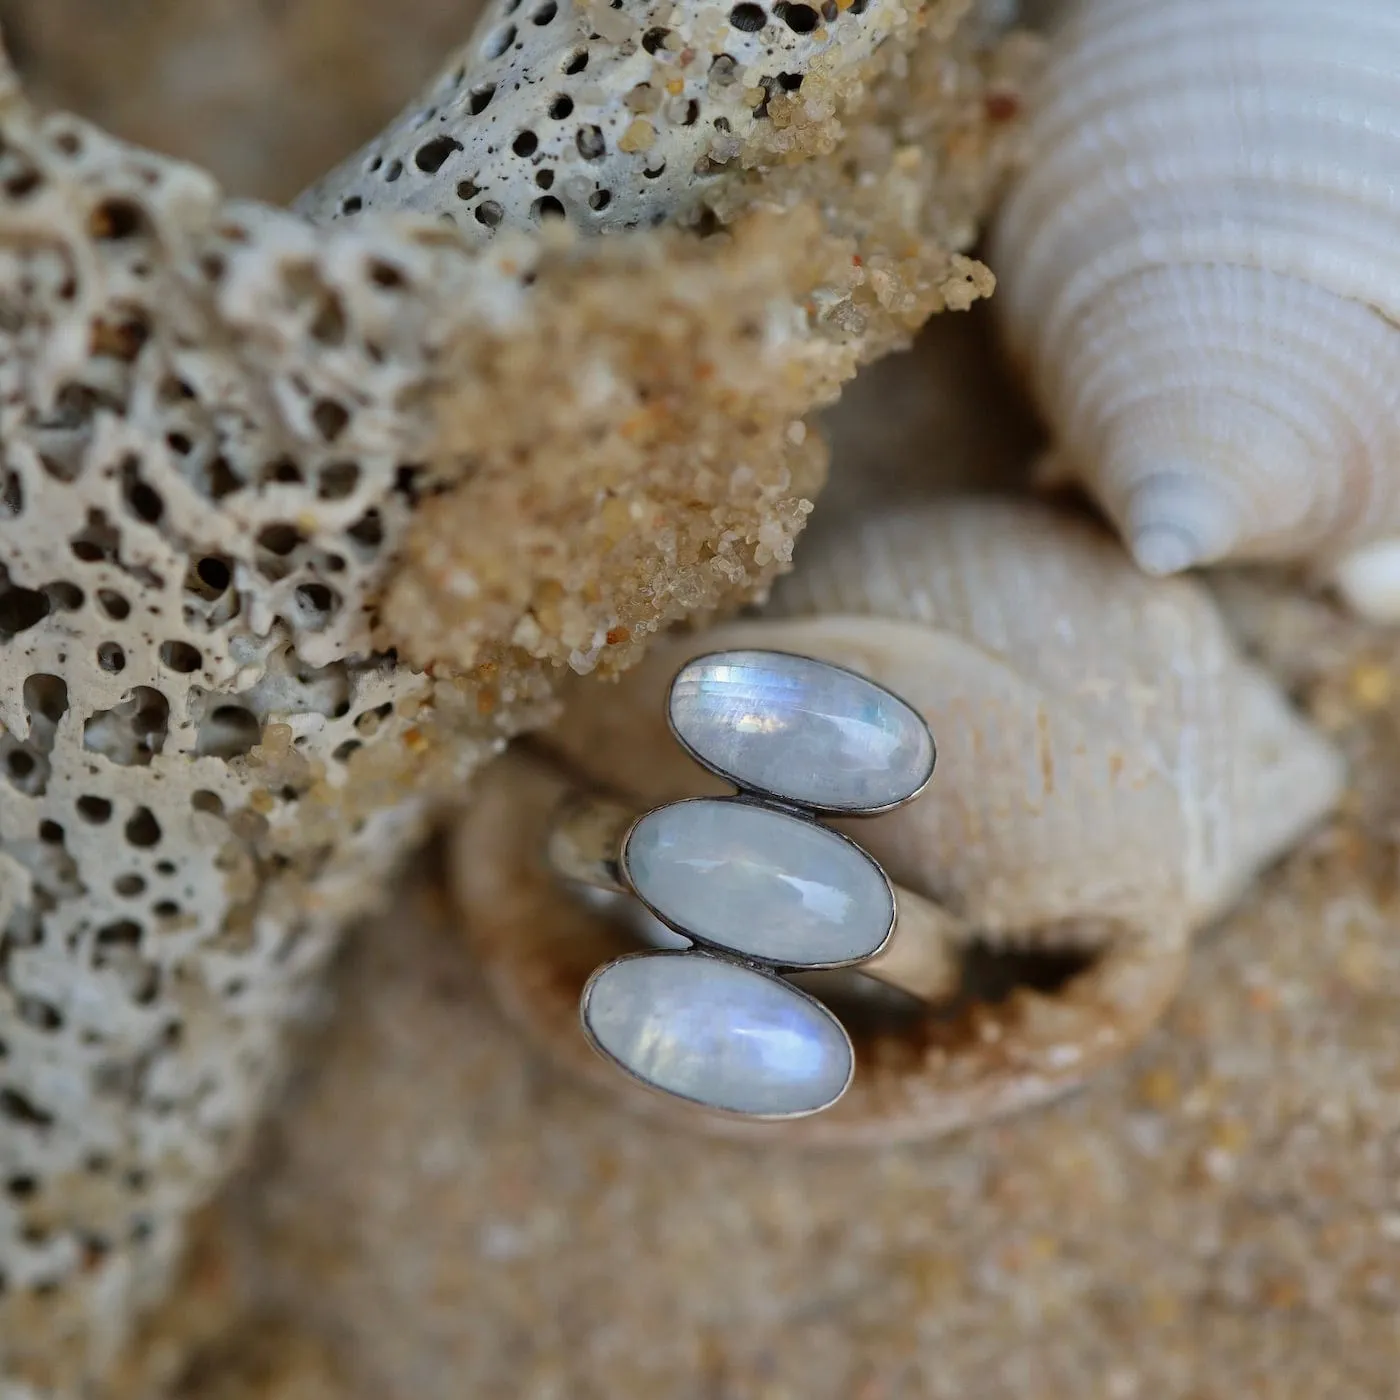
{"x": 801, "y": 730}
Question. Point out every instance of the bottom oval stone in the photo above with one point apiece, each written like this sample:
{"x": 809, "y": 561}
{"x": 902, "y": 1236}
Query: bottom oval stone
{"x": 718, "y": 1034}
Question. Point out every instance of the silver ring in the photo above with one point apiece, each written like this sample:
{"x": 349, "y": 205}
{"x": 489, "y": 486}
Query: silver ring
{"x": 738, "y": 893}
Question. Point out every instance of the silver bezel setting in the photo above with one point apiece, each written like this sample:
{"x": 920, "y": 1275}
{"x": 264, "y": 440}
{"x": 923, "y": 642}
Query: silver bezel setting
{"x": 745, "y": 1115}
{"x": 728, "y": 949}
{"x": 767, "y": 796}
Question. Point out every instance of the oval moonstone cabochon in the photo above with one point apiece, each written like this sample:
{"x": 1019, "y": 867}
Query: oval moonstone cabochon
{"x": 803, "y": 730}
{"x": 759, "y": 882}
{"x": 718, "y": 1034}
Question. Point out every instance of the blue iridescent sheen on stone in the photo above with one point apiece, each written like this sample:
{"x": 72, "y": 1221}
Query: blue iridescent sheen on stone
{"x": 802, "y": 730}
{"x": 759, "y": 882}
{"x": 718, "y": 1033}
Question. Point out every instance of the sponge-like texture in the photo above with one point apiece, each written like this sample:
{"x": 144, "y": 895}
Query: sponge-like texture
{"x": 205, "y": 764}
{"x": 608, "y": 115}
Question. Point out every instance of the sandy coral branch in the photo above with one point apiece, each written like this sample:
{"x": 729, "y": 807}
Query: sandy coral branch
{"x": 675, "y": 377}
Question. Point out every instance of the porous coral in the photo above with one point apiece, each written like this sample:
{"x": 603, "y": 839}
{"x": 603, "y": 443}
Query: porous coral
{"x": 298, "y": 524}
{"x": 615, "y": 115}
{"x": 193, "y": 518}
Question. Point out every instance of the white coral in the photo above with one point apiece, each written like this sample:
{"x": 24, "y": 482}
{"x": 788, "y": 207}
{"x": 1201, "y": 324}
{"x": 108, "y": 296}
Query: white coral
{"x": 612, "y": 116}
{"x": 206, "y": 460}
{"x": 217, "y": 425}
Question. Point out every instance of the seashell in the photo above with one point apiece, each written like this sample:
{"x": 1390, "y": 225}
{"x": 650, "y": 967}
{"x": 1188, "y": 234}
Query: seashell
{"x": 1199, "y": 276}
{"x": 1112, "y": 774}
{"x": 608, "y": 116}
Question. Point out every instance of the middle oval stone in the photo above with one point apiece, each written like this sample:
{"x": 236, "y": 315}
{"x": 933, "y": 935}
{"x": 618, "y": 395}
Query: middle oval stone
{"x": 759, "y": 882}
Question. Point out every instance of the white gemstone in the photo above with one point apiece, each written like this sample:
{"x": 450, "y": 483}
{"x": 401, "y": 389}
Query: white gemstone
{"x": 718, "y": 1033}
{"x": 803, "y": 730}
{"x": 760, "y": 882}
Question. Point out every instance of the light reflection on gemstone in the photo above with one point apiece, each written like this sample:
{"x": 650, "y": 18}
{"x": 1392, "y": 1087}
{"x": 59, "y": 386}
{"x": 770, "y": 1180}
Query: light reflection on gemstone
{"x": 718, "y": 1033}
{"x": 760, "y": 882}
{"x": 800, "y": 729}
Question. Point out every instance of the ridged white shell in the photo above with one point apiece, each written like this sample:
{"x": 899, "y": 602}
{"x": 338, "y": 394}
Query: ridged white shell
{"x": 1199, "y": 274}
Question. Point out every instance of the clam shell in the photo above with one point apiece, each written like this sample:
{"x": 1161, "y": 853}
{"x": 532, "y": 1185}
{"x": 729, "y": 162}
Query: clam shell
{"x": 1199, "y": 273}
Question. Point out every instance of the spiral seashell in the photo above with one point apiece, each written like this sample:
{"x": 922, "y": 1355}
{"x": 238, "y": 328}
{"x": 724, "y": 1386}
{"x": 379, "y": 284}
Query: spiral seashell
{"x": 1111, "y": 776}
{"x": 1199, "y": 276}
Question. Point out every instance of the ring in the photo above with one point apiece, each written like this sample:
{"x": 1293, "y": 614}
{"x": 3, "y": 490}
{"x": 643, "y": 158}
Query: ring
{"x": 737, "y": 894}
